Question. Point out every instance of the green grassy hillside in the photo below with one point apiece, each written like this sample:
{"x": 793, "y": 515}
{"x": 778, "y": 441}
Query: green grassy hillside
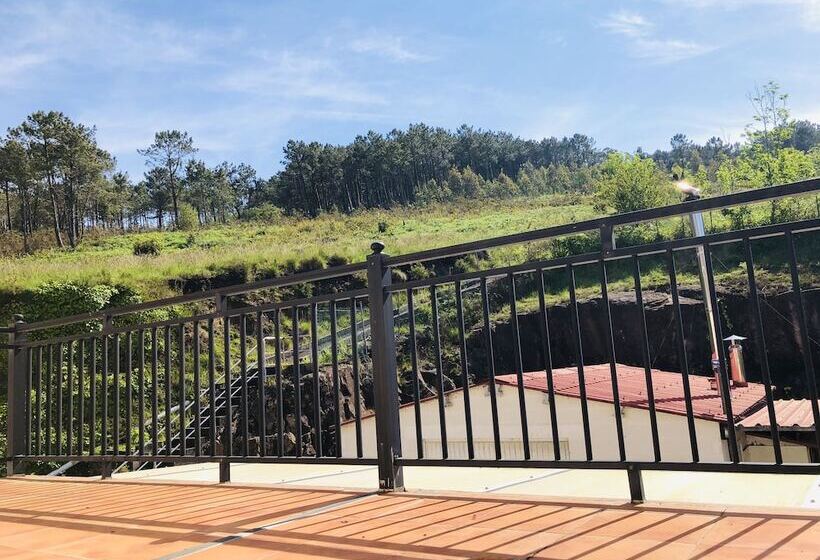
{"x": 260, "y": 247}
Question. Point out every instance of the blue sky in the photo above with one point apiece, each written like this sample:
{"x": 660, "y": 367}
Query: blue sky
{"x": 244, "y": 77}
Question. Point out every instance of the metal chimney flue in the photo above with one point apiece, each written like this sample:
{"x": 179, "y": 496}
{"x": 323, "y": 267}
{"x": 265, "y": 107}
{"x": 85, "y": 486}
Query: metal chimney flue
{"x": 737, "y": 369}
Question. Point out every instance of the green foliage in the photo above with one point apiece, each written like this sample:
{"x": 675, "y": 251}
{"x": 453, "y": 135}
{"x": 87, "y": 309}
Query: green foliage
{"x": 628, "y": 183}
{"x": 147, "y": 247}
{"x": 188, "y": 218}
{"x": 264, "y": 213}
{"x": 57, "y": 299}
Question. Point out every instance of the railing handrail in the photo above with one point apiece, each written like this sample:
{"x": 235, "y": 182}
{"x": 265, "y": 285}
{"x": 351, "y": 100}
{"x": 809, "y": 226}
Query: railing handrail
{"x": 628, "y": 218}
{"x": 713, "y": 203}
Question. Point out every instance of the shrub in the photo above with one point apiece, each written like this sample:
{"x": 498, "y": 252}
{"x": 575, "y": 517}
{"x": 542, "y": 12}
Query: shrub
{"x": 188, "y": 217}
{"x": 266, "y": 213}
{"x": 148, "y": 247}
{"x": 337, "y": 260}
{"x": 628, "y": 183}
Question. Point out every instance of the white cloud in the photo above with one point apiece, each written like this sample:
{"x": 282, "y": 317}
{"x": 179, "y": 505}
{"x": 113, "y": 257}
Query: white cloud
{"x": 294, "y": 75}
{"x": 644, "y": 42}
{"x": 629, "y": 24}
{"x": 808, "y": 11}
{"x": 387, "y": 46}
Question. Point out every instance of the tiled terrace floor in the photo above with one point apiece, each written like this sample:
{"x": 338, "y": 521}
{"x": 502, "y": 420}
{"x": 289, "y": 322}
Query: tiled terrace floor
{"x": 76, "y": 519}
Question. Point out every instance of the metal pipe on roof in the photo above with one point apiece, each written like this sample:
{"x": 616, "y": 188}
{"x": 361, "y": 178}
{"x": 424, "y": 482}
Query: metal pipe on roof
{"x": 692, "y": 193}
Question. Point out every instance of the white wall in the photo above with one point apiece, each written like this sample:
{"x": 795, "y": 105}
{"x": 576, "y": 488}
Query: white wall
{"x": 758, "y": 449}
{"x": 673, "y": 430}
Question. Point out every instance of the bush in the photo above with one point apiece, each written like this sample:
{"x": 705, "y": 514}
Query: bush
{"x": 148, "y": 247}
{"x": 188, "y": 217}
{"x": 266, "y": 213}
{"x": 59, "y": 299}
{"x": 629, "y": 183}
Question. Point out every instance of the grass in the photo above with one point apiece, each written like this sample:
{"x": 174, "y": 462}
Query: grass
{"x": 259, "y": 246}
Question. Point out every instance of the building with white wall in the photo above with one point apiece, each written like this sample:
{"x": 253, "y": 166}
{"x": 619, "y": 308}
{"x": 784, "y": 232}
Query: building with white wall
{"x": 707, "y": 410}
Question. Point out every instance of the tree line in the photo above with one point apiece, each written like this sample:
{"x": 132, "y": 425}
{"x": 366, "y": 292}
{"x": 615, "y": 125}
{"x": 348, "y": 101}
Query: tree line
{"x": 55, "y": 177}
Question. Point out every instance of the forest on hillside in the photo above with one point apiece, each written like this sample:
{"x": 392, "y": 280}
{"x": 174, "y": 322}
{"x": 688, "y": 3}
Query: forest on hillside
{"x": 58, "y": 184}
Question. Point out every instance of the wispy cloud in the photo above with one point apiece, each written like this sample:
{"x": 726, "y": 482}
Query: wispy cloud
{"x": 628, "y": 23}
{"x": 388, "y": 46}
{"x": 293, "y": 75}
{"x": 644, "y": 42}
{"x": 808, "y": 11}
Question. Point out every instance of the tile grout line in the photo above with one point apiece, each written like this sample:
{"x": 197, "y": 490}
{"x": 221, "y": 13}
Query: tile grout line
{"x": 524, "y": 481}
{"x": 244, "y": 534}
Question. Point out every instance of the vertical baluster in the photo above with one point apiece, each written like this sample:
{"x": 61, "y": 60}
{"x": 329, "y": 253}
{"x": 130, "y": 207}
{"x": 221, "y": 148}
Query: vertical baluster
{"x": 280, "y": 408}
{"x": 197, "y": 389}
{"x": 684, "y": 362}
{"x": 802, "y": 334}
{"x": 579, "y": 356}
{"x": 168, "y": 437}
{"x": 28, "y": 410}
{"x": 488, "y": 341}
{"x": 243, "y": 372}
{"x": 60, "y": 396}
{"x": 92, "y": 427}
{"x": 49, "y": 393}
{"x": 227, "y": 405}
{"x": 129, "y": 403}
{"x": 81, "y": 395}
{"x": 154, "y": 391}
{"x": 519, "y": 368}
{"x": 546, "y": 349}
{"x": 212, "y": 387}
{"x": 70, "y": 387}
{"x": 334, "y": 359}
{"x": 117, "y": 374}
{"x": 317, "y": 397}
{"x": 647, "y": 366}
{"x": 465, "y": 373}
{"x": 354, "y": 350}
{"x": 414, "y": 365}
{"x": 104, "y": 392}
{"x": 183, "y": 404}
{"x": 613, "y": 366}
{"x": 762, "y": 354}
{"x": 141, "y": 397}
{"x": 38, "y": 403}
{"x": 297, "y": 381}
{"x": 439, "y": 372}
{"x": 261, "y": 374}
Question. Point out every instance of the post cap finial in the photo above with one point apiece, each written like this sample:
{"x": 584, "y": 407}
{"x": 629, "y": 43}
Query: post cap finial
{"x": 377, "y": 247}
{"x": 18, "y": 318}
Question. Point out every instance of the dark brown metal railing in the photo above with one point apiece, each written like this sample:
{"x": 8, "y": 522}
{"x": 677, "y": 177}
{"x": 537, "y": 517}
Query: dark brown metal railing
{"x": 209, "y": 386}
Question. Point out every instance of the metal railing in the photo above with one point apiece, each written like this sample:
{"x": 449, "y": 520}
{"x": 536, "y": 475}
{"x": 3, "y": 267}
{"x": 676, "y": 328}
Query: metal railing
{"x": 185, "y": 389}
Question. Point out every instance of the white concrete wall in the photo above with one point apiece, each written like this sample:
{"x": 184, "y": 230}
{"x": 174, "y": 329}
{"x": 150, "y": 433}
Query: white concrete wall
{"x": 673, "y": 431}
{"x": 761, "y": 450}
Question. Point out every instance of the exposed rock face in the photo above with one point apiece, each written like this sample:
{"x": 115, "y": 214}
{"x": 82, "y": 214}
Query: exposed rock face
{"x": 780, "y": 314}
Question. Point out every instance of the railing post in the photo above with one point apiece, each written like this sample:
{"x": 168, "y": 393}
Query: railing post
{"x": 607, "y": 239}
{"x": 385, "y": 382}
{"x": 16, "y": 411}
{"x": 635, "y": 484}
{"x": 221, "y": 306}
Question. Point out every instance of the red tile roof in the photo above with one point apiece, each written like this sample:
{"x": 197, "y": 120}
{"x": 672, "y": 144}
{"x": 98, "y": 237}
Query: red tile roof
{"x": 795, "y": 414}
{"x": 668, "y": 387}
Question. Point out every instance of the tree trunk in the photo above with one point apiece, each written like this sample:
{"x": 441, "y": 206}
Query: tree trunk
{"x": 8, "y": 207}
{"x": 56, "y": 221}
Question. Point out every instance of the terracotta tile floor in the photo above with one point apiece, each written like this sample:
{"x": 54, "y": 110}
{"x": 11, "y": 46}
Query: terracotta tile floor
{"x": 70, "y": 518}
